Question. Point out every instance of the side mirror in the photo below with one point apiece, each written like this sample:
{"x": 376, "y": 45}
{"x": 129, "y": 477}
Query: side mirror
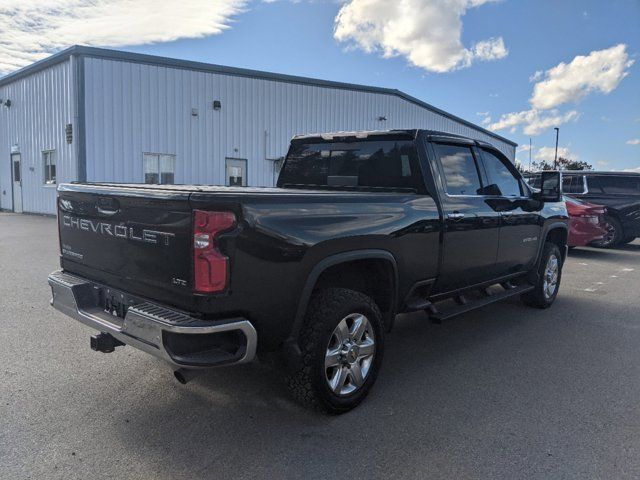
{"x": 549, "y": 188}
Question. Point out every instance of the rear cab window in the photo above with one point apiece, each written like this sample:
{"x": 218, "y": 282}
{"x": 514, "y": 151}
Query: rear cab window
{"x": 350, "y": 163}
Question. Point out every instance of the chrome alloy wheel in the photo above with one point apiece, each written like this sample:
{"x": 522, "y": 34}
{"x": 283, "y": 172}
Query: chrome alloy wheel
{"x": 550, "y": 280}
{"x": 349, "y": 355}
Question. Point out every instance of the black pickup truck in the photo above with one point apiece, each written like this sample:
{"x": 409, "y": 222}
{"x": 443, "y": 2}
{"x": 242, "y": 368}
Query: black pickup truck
{"x": 361, "y": 226}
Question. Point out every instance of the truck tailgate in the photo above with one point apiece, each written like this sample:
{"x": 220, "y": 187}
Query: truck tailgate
{"x": 137, "y": 239}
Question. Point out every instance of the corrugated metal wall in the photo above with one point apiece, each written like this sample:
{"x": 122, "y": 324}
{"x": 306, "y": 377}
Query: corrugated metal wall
{"x": 133, "y": 108}
{"x": 41, "y": 106}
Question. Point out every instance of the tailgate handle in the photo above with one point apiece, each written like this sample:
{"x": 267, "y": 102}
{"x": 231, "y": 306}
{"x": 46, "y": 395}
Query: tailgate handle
{"x": 107, "y": 206}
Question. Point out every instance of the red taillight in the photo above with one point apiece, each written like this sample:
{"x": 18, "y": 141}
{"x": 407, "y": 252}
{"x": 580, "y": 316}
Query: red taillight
{"x": 210, "y": 267}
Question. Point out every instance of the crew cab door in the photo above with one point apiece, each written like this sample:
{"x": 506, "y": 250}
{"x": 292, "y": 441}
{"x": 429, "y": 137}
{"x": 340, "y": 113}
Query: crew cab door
{"x": 471, "y": 225}
{"x": 521, "y": 222}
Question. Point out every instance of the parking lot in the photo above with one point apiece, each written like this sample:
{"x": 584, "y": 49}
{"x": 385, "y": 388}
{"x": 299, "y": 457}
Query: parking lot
{"x": 503, "y": 392}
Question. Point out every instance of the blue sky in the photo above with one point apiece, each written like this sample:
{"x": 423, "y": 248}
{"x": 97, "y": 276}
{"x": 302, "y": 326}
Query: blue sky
{"x": 490, "y": 82}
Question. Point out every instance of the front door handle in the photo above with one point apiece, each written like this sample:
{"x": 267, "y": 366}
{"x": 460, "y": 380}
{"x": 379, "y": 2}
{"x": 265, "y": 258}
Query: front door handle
{"x": 455, "y": 216}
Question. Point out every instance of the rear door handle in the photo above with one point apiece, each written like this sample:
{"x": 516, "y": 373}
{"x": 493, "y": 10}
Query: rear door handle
{"x": 455, "y": 216}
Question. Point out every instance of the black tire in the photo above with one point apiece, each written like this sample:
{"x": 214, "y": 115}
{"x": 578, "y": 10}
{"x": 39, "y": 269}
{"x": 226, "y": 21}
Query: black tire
{"x": 613, "y": 236}
{"x": 328, "y": 308}
{"x": 539, "y": 297}
{"x": 627, "y": 240}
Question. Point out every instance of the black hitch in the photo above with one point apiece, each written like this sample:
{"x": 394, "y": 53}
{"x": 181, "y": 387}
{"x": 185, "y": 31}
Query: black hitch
{"x": 105, "y": 342}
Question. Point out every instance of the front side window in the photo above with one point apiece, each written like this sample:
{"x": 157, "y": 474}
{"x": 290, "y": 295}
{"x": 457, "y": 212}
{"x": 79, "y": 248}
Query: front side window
{"x": 460, "y": 170}
{"x": 364, "y": 164}
{"x": 159, "y": 168}
{"x": 500, "y": 176}
{"x": 49, "y": 165}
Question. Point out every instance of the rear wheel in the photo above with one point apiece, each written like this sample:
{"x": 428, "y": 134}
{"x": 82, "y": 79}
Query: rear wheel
{"x": 627, "y": 240}
{"x": 342, "y": 343}
{"x": 546, "y": 288}
{"x": 613, "y": 235}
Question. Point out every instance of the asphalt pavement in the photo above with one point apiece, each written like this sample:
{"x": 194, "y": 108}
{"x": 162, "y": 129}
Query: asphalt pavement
{"x": 504, "y": 392}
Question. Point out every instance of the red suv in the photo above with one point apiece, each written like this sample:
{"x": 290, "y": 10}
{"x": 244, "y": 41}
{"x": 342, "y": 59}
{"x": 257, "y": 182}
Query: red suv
{"x": 586, "y": 222}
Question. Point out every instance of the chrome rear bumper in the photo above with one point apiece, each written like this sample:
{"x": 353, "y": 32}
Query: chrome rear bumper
{"x": 160, "y": 331}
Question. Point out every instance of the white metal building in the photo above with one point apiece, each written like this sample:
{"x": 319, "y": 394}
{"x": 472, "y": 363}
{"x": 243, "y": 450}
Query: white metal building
{"x": 92, "y": 114}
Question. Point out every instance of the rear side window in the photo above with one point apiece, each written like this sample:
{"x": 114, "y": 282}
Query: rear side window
{"x": 620, "y": 184}
{"x": 573, "y": 184}
{"x": 389, "y": 164}
{"x": 534, "y": 181}
{"x": 460, "y": 169}
{"x": 500, "y": 175}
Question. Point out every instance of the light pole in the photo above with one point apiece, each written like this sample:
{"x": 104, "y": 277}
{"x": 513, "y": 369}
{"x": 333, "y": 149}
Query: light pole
{"x": 555, "y": 160}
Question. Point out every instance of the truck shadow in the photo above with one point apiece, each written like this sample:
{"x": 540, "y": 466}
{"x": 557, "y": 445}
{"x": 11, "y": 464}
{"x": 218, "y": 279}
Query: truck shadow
{"x": 436, "y": 379}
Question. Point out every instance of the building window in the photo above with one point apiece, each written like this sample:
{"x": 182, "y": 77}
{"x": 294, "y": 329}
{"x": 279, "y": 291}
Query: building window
{"x": 236, "y": 172}
{"x": 159, "y": 168}
{"x": 49, "y": 164}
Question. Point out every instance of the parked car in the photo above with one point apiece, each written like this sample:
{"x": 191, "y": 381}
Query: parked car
{"x": 360, "y": 227}
{"x": 618, "y": 191}
{"x": 586, "y": 222}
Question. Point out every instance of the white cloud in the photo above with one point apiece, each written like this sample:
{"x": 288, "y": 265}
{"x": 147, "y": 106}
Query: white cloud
{"x": 536, "y": 76}
{"x": 600, "y": 71}
{"x": 492, "y": 49}
{"x": 533, "y": 122}
{"x": 633, "y": 169}
{"x": 523, "y": 148}
{"x": 547, "y": 154}
{"x": 633, "y": 141}
{"x": 32, "y": 29}
{"x": 603, "y": 163}
{"x": 605, "y": 119}
{"x": 426, "y": 32}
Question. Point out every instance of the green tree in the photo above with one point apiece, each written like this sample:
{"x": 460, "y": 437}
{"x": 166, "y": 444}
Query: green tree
{"x": 563, "y": 164}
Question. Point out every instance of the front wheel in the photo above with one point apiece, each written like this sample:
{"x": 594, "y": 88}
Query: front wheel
{"x": 342, "y": 343}
{"x": 547, "y": 284}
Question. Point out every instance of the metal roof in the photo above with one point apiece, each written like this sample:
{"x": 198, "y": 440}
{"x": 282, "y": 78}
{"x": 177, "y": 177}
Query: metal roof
{"x": 79, "y": 50}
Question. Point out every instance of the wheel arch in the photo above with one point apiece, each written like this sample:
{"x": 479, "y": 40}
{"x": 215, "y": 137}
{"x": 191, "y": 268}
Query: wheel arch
{"x": 558, "y": 233}
{"x": 328, "y": 268}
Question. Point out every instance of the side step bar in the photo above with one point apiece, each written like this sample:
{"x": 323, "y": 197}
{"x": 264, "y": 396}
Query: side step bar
{"x": 440, "y": 316}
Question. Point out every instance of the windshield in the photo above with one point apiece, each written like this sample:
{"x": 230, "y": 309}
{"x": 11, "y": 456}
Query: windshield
{"x": 360, "y": 164}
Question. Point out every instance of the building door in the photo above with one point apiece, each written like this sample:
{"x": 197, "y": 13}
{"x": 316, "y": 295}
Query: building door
{"x": 236, "y": 172}
{"x": 16, "y": 173}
